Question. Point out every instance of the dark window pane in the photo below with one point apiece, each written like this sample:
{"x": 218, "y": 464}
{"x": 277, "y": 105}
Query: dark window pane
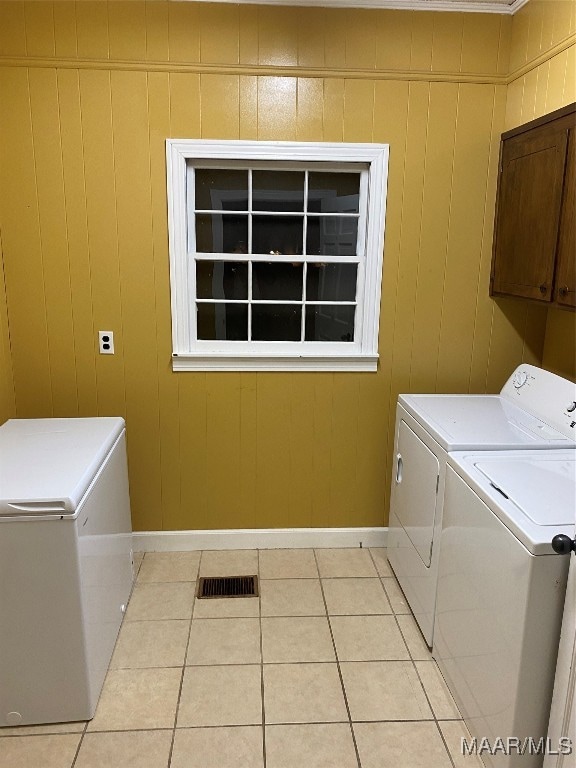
{"x": 222, "y": 322}
{"x": 333, "y": 192}
{"x": 221, "y": 280}
{"x": 276, "y": 322}
{"x": 277, "y": 234}
{"x": 277, "y": 281}
{"x": 221, "y": 190}
{"x": 332, "y": 235}
{"x": 329, "y": 322}
{"x": 216, "y": 233}
{"x": 277, "y": 191}
{"x": 331, "y": 282}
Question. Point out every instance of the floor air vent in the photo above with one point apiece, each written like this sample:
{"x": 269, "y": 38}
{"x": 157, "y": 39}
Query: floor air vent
{"x": 227, "y": 586}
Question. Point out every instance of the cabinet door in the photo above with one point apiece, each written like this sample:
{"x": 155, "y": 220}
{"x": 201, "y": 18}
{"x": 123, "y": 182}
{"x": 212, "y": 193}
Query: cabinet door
{"x": 528, "y": 214}
{"x": 565, "y": 292}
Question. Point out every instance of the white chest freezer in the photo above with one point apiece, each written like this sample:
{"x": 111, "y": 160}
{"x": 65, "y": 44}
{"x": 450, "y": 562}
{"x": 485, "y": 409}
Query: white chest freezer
{"x": 65, "y": 564}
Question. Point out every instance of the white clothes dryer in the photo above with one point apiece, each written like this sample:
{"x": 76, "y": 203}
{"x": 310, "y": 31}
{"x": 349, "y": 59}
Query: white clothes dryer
{"x": 535, "y": 410}
{"x": 500, "y": 599}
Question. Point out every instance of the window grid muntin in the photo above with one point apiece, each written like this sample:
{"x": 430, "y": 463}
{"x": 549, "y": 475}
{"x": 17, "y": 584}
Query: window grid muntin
{"x": 306, "y": 217}
{"x": 303, "y": 257}
{"x": 275, "y": 301}
{"x": 360, "y": 169}
{"x": 305, "y": 263}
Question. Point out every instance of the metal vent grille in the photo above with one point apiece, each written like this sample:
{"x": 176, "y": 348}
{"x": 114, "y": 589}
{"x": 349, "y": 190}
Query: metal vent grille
{"x": 227, "y": 586}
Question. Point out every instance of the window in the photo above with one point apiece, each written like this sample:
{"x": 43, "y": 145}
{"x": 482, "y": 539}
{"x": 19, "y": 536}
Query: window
{"x": 275, "y": 254}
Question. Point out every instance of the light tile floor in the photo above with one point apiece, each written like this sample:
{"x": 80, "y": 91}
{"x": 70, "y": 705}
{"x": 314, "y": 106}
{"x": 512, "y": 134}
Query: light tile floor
{"x": 327, "y": 669}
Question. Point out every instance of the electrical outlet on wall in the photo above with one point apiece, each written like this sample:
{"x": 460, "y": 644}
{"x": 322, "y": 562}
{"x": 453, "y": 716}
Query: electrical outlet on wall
{"x": 106, "y": 342}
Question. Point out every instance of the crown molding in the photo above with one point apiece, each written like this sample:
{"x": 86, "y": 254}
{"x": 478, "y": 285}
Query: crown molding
{"x": 455, "y": 6}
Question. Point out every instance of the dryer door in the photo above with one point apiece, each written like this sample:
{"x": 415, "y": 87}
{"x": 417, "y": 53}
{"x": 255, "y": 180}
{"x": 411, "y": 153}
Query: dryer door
{"x": 416, "y": 490}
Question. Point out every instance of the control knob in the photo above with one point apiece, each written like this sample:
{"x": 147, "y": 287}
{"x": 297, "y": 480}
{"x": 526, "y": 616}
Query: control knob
{"x": 520, "y": 378}
{"x": 563, "y": 545}
{"x": 572, "y": 407}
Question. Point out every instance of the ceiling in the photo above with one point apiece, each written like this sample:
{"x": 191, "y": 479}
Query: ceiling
{"x": 478, "y": 6}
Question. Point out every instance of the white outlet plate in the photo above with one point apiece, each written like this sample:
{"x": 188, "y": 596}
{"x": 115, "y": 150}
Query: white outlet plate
{"x": 106, "y": 342}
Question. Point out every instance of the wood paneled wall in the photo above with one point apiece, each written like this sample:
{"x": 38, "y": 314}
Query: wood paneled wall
{"x": 543, "y": 66}
{"x": 7, "y": 402}
{"x": 89, "y": 93}
{"x": 542, "y": 60}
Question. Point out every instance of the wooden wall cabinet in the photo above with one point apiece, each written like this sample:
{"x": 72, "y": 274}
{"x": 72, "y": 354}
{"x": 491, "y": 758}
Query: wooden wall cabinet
{"x": 534, "y": 252}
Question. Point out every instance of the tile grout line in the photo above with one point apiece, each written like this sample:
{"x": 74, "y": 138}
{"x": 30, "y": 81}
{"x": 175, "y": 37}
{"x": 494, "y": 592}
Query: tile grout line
{"x": 338, "y": 668}
{"x": 149, "y": 729}
{"x": 171, "y": 752}
{"x": 135, "y": 572}
{"x": 263, "y": 713}
{"x": 435, "y": 719}
{"x": 271, "y": 663}
{"x": 83, "y": 733}
{"x": 243, "y": 725}
{"x": 434, "y": 715}
{"x": 410, "y": 655}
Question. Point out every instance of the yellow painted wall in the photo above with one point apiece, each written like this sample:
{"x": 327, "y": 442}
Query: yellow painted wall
{"x": 89, "y": 93}
{"x": 7, "y": 405}
{"x": 543, "y": 78}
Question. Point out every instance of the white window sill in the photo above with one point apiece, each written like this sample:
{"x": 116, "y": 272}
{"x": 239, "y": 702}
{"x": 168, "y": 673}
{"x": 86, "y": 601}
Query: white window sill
{"x": 358, "y": 363}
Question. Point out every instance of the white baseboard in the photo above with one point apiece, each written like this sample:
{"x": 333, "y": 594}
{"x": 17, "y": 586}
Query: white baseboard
{"x": 259, "y": 538}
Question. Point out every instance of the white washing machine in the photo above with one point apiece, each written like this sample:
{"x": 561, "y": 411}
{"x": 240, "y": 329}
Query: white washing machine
{"x": 535, "y": 410}
{"x": 65, "y": 564}
{"x": 501, "y": 591}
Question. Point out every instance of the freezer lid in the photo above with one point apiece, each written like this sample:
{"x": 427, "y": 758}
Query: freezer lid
{"x": 46, "y": 465}
{"x": 465, "y": 422}
{"x": 542, "y": 487}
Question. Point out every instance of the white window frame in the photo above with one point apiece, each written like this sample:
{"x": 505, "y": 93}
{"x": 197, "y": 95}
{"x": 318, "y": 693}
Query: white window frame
{"x": 361, "y": 354}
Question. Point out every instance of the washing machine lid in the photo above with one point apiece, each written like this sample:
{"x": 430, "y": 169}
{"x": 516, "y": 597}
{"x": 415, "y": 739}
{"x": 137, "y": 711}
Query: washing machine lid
{"x": 532, "y": 492}
{"x": 47, "y": 465}
{"x": 464, "y": 422}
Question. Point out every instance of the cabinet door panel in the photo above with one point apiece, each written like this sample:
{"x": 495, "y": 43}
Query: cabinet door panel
{"x": 530, "y": 193}
{"x": 565, "y": 293}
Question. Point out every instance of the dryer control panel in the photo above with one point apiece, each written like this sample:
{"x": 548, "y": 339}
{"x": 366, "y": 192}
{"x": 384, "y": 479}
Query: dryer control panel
{"x": 545, "y": 395}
